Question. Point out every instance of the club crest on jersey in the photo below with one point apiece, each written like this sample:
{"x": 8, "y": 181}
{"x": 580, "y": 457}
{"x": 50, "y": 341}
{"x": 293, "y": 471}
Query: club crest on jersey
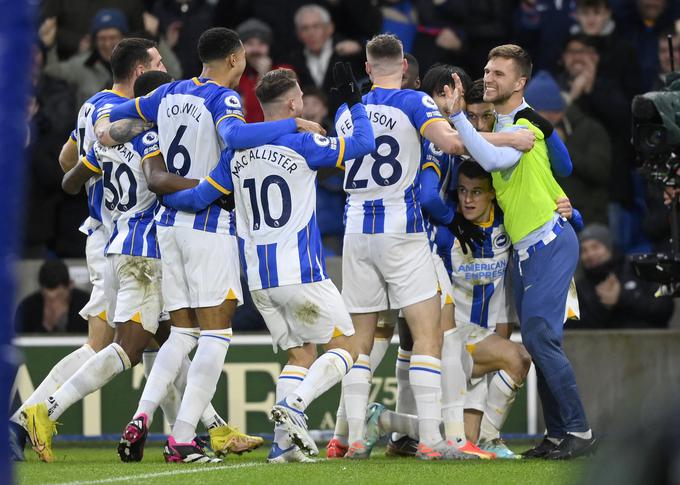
{"x": 501, "y": 241}
{"x": 150, "y": 137}
{"x": 434, "y": 150}
{"x": 428, "y": 102}
{"x": 320, "y": 140}
{"x": 232, "y": 101}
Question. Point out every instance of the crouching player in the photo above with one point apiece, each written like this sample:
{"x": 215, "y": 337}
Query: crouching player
{"x": 132, "y": 276}
{"x": 275, "y": 196}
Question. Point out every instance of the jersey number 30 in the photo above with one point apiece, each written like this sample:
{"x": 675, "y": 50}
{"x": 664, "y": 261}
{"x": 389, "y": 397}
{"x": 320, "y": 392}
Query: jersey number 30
{"x": 268, "y": 181}
{"x": 380, "y": 161}
{"x": 116, "y": 188}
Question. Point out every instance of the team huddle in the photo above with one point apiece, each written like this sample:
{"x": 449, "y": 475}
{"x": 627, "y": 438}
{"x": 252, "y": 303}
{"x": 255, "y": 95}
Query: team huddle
{"x": 452, "y": 218}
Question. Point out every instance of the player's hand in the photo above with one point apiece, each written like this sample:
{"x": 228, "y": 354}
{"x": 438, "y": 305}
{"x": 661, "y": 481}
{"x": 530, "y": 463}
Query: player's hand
{"x": 564, "y": 207}
{"x": 226, "y": 202}
{"x": 345, "y": 85}
{"x": 537, "y": 120}
{"x": 522, "y": 140}
{"x": 48, "y": 31}
{"x": 307, "y": 126}
{"x": 454, "y": 98}
{"x": 468, "y": 234}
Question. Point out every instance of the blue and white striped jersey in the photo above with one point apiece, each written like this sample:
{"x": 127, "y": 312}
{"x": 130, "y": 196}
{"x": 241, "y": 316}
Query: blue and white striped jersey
{"x": 130, "y": 204}
{"x": 187, "y": 114}
{"x": 478, "y": 278}
{"x": 435, "y": 159}
{"x": 95, "y": 108}
{"x": 383, "y": 186}
{"x": 274, "y": 188}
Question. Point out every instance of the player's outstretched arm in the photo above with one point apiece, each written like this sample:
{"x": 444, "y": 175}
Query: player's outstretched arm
{"x": 85, "y": 169}
{"x": 68, "y": 157}
{"x": 125, "y": 122}
{"x": 237, "y": 134}
{"x": 159, "y": 181}
{"x": 432, "y": 203}
{"x": 520, "y": 139}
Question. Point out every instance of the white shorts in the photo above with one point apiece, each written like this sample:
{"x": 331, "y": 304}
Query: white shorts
{"x": 133, "y": 290}
{"x": 381, "y": 271}
{"x": 96, "y": 267}
{"x": 445, "y": 287}
{"x": 572, "y": 310}
{"x": 200, "y": 269}
{"x": 475, "y": 398}
{"x": 470, "y": 334}
{"x": 305, "y": 313}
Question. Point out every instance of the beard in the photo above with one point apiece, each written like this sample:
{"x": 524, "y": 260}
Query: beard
{"x": 500, "y": 97}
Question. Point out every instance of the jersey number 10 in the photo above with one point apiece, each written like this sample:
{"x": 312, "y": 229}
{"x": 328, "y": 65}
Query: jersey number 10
{"x": 268, "y": 181}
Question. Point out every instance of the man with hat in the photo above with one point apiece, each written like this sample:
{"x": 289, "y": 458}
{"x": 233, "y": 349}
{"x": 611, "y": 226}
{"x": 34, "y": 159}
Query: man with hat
{"x": 89, "y": 72}
{"x": 257, "y": 39}
{"x": 610, "y": 294}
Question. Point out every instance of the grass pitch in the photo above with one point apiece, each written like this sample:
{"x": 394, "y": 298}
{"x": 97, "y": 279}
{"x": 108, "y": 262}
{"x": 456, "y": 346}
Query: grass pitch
{"x": 97, "y": 463}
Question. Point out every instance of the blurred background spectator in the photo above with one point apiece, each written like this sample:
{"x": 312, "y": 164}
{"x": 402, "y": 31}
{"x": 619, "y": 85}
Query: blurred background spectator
{"x": 610, "y": 294}
{"x": 55, "y": 307}
{"x": 257, "y": 39}
{"x": 588, "y": 143}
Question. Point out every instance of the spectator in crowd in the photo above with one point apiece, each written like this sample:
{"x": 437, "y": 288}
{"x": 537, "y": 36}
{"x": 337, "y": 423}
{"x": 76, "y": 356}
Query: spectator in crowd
{"x": 665, "y": 57}
{"x": 55, "y": 307}
{"x": 178, "y": 24}
{"x": 542, "y": 28}
{"x": 642, "y": 22}
{"x": 90, "y": 71}
{"x": 315, "y": 108}
{"x": 51, "y": 216}
{"x": 72, "y": 19}
{"x": 487, "y": 24}
{"x": 617, "y": 57}
{"x": 610, "y": 294}
{"x": 320, "y": 51}
{"x": 605, "y": 99}
{"x": 257, "y": 39}
{"x": 441, "y": 33}
{"x": 588, "y": 143}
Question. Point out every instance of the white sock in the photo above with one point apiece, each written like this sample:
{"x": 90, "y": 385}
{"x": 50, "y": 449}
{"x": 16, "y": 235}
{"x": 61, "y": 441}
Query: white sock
{"x": 291, "y": 376}
{"x": 426, "y": 382}
{"x": 170, "y": 403}
{"x": 356, "y": 387}
{"x": 59, "y": 374}
{"x": 325, "y": 372}
{"x": 95, "y": 374}
{"x": 169, "y": 360}
{"x": 210, "y": 418}
{"x": 205, "y": 371}
{"x": 502, "y": 392}
{"x": 454, "y": 384}
{"x": 401, "y": 424}
{"x": 584, "y": 435}
{"x": 341, "y": 428}
{"x": 380, "y": 346}
{"x": 406, "y": 403}
{"x": 181, "y": 380}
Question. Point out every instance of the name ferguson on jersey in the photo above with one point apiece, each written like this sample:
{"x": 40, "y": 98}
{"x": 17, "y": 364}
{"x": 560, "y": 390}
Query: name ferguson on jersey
{"x": 243, "y": 158}
{"x": 374, "y": 117}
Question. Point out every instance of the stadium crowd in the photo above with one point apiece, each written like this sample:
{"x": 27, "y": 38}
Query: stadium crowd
{"x": 590, "y": 58}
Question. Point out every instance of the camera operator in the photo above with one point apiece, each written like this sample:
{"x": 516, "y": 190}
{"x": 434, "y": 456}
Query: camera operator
{"x": 610, "y": 294}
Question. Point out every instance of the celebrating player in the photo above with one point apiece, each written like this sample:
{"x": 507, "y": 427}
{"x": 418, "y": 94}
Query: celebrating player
{"x": 130, "y": 58}
{"x": 275, "y": 195}
{"x": 526, "y": 191}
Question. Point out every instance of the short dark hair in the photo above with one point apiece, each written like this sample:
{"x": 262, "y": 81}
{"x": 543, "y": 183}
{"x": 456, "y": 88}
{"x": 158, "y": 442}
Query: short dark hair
{"x": 475, "y": 94}
{"x": 517, "y": 54}
{"x": 439, "y": 76}
{"x": 385, "y": 46}
{"x": 149, "y": 81}
{"x": 472, "y": 170}
{"x": 412, "y": 61}
{"x": 316, "y": 92}
{"x": 274, "y": 84}
{"x": 53, "y": 273}
{"x": 593, "y": 4}
{"x": 217, "y": 43}
{"x": 127, "y": 54}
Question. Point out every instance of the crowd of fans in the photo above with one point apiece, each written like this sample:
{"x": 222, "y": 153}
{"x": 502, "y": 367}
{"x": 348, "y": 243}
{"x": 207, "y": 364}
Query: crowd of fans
{"x": 590, "y": 58}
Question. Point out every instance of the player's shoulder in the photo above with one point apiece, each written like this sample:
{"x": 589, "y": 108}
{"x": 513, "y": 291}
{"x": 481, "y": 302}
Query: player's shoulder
{"x": 402, "y": 98}
{"x": 146, "y": 143}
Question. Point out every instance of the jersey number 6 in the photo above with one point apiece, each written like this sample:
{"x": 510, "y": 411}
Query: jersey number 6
{"x": 176, "y": 149}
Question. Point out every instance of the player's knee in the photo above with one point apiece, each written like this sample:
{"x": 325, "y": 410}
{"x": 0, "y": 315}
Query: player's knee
{"x": 519, "y": 363}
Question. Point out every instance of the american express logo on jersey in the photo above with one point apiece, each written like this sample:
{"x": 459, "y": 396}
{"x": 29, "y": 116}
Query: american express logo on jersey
{"x": 483, "y": 271}
{"x": 383, "y": 186}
